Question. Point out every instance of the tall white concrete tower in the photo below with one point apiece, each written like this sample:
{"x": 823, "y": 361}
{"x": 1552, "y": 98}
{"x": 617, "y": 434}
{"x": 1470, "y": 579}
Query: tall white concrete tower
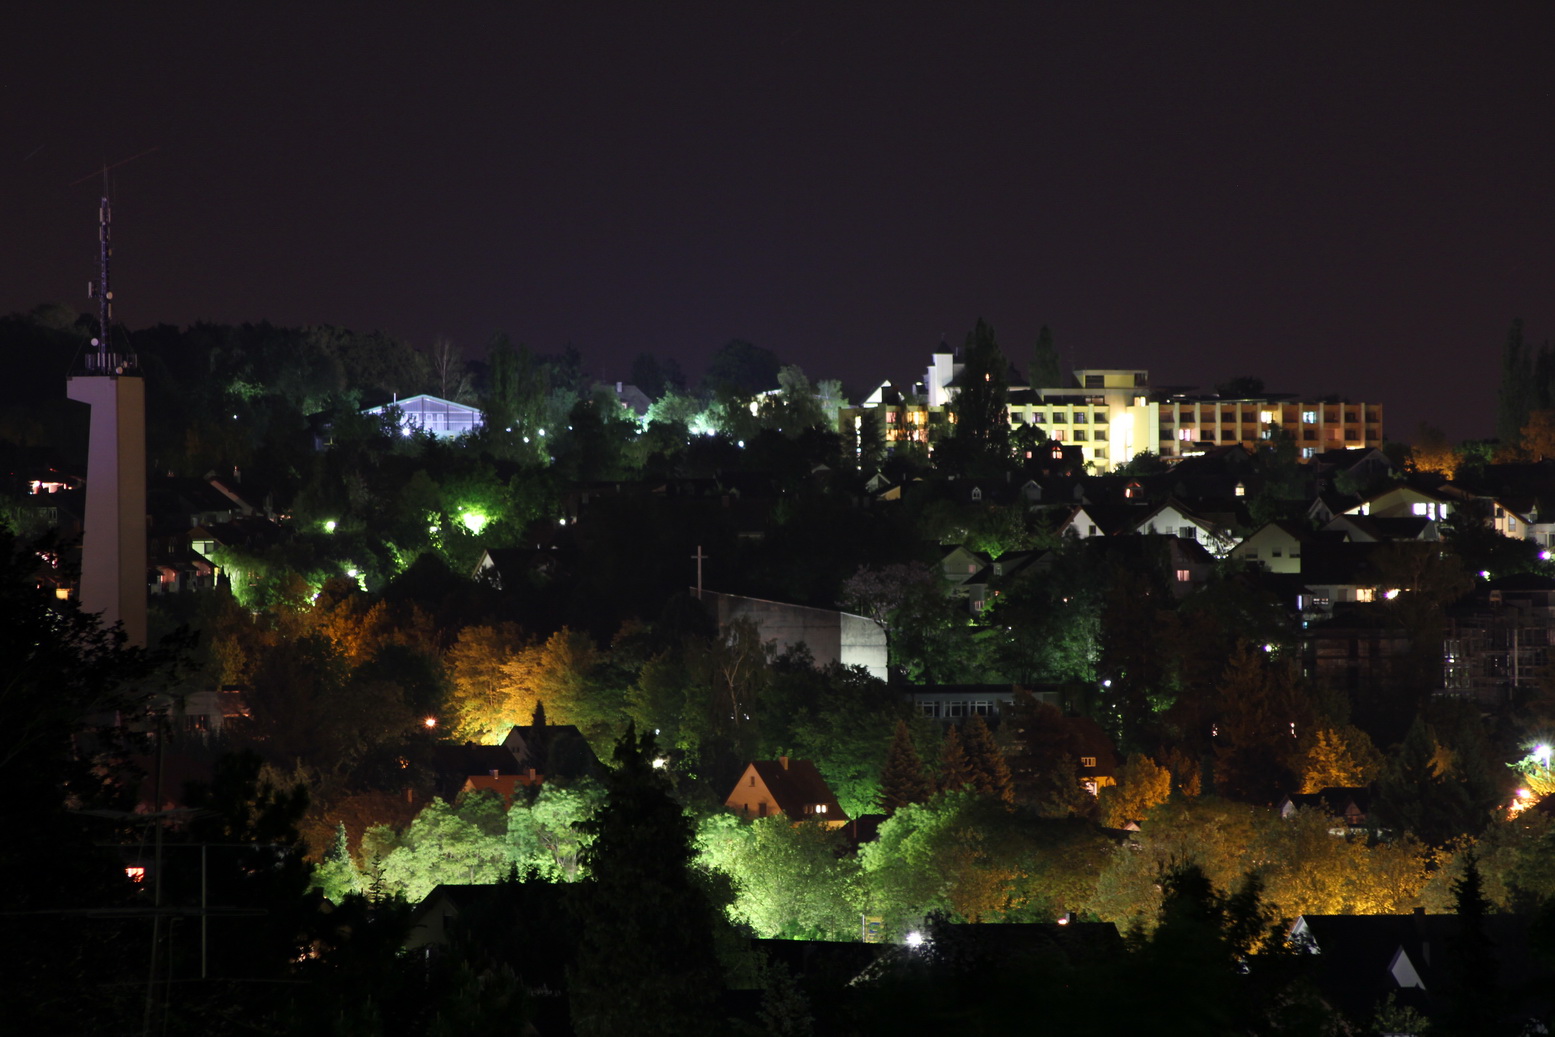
{"x": 113, "y": 542}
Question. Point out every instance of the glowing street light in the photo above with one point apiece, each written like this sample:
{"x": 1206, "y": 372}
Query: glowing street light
{"x": 1541, "y": 752}
{"x": 914, "y": 939}
{"x": 429, "y": 723}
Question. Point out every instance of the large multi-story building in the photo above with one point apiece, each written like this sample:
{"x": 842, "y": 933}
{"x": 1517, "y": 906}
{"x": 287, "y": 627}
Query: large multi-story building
{"x": 1112, "y": 414}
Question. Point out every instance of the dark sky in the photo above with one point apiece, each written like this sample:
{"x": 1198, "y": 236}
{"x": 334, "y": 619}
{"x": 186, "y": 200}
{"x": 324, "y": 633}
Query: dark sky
{"x": 1350, "y": 198}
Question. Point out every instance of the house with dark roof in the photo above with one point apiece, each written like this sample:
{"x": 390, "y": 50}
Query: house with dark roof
{"x": 553, "y": 751}
{"x": 453, "y": 764}
{"x": 793, "y": 788}
{"x": 1349, "y": 807}
{"x": 1420, "y": 959}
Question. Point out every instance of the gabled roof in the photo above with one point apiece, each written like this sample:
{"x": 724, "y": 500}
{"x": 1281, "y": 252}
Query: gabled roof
{"x": 794, "y": 785}
{"x": 555, "y": 750}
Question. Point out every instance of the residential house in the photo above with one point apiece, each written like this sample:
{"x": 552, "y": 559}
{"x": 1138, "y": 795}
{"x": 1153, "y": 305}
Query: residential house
{"x": 1349, "y": 807}
{"x": 793, "y": 788}
{"x": 1274, "y": 546}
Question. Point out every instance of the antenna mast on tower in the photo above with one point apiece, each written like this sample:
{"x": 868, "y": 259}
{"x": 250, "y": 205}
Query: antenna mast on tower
{"x": 99, "y": 289}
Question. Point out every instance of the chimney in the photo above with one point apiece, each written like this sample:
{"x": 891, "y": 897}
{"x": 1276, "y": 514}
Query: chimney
{"x": 783, "y": 762}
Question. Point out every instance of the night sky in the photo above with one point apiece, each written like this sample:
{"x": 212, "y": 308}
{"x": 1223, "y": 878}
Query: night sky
{"x": 1337, "y": 198}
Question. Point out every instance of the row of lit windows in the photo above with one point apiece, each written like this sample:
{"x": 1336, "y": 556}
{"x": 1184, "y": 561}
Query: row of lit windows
{"x": 1064, "y": 418}
{"x": 1233, "y": 435}
{"x": 1266, "y": 417}
{"x": 955, "y": 709}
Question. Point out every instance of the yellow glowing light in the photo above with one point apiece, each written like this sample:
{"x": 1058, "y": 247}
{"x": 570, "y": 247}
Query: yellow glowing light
{"x": 474, "y": 521}
{"x": 429, "y": 723}
{"x": 329, "y": 526}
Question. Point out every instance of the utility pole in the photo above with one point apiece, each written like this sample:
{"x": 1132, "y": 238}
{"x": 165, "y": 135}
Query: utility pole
{"x": 700, "y": 558}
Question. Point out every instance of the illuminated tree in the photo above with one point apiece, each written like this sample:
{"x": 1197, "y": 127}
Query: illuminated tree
{"x": 546, "y": 837}
{"x": 491, "y": 672}
{"x": 447, "y": 844}
{"x": 791, "y": 879}
{"x": 338, "y": 876}
{"x": 1141, "y": 785}
{"x": 1341, "y": 757}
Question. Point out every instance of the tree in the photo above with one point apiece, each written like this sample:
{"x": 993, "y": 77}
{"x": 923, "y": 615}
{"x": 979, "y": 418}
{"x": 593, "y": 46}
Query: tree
{"x": 980, "y": 408}
{"x": 903, "y": 780}
{"x": 1432, "y": 452}
{"x": 1517, "y": 393}
{"x": 1338, "y": 757}
{"x": 1046, "y": 372}
{"x": 791, "y": 880}
{"x": 1141, "y": 785}
{"x": 338, "y": 876}
{"x": 990, "y": 771}
{"x": 1264, "y": 716}
{"x": 449, "y": 370}
{"x": 955, "y": 770}
{"x": 491, "y": 670}
{"x": 1418, "y": 793}
{"x": 1242, "y": 387}
{"x": 640, "y": 894}
{"x": 743, "y": 369}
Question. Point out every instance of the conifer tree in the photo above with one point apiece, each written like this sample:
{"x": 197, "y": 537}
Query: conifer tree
{"x": 338, "y": 876}
{"x": 1045, "y": 369}
{"x": 955, "y": 770}
{"x": 980, "y": 405}
{"x": 645, "y": 962}
{"x": 990, "y": 771}
{"x": 903, "y": 780}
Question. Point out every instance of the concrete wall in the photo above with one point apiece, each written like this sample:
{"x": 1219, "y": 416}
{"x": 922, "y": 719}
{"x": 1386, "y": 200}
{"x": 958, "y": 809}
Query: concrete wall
{"x": 831, "y": 636}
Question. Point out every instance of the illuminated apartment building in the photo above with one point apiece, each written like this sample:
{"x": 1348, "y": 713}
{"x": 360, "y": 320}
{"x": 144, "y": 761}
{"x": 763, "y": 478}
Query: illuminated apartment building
{"x": 1193, "y": 424}
{"x": 1112, "y": 414}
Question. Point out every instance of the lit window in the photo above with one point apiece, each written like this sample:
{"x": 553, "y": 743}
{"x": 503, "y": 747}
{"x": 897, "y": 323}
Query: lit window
{"x": 1309, "y": 417}
{"x": 1266, "y": 417}
{"x": 1058, "y": 437}
{"x": 1365, "y": 594}
{"x": 1185, "y": 434}
{"x": 136, "y": 872}
{"x": 1307, "y": 453}
{"x": 890, "y": 417}
{"x": 1087, "y": 761}
{"x": 1183, "y": 576}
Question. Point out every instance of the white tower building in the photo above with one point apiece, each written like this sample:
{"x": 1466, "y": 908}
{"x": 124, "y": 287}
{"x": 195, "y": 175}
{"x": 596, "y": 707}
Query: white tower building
{"x": 113, "y": 543}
